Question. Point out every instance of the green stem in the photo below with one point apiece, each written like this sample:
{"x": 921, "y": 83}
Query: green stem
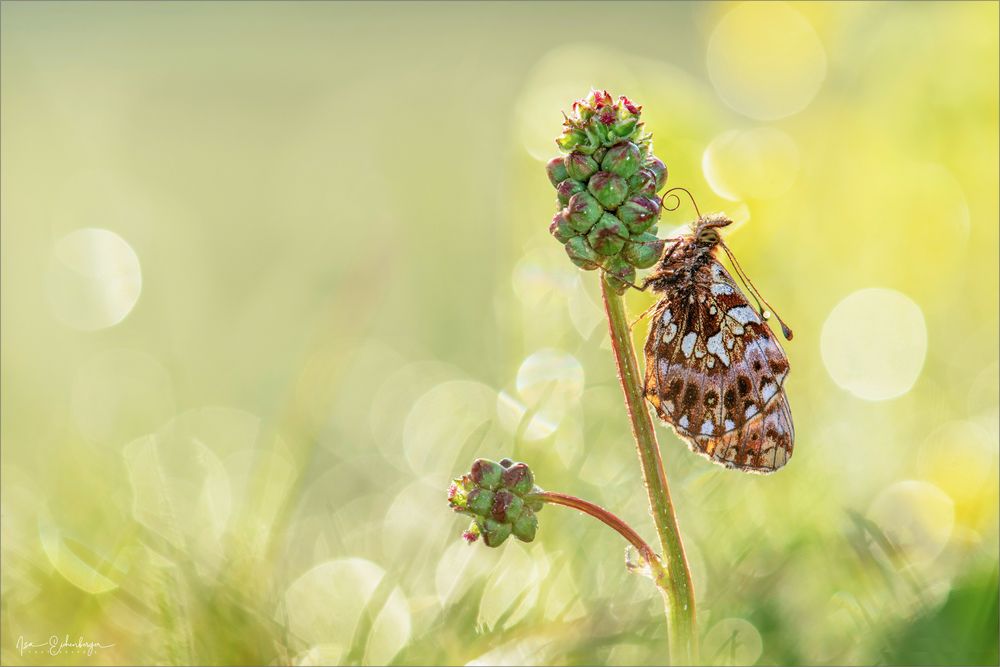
{"x": 677, "y": 590}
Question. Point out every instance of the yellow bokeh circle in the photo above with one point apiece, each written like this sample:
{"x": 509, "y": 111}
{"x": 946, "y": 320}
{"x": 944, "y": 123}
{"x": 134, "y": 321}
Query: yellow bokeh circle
{"x": 751, "y": 164}
{"x": 765, "y": 60}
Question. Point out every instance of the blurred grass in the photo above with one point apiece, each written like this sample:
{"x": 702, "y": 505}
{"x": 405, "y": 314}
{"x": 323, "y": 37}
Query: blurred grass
{"x": 348, "y": 292}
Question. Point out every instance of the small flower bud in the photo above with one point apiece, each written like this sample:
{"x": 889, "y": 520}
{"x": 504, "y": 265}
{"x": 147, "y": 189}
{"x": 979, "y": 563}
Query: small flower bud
{"x": 597, "y": 134}
{"x": 639, "y": 213}
{"x": 643, "y": 182}
{"x": 643, "y": 251}
{"x": 584, "y": 211}
{"x": 486, "y": 473}
{"x": 526, "y": 526}
{"x": 556, "y": 169}
{"x": 518, "y": 478}
{"x": 608, "y": 235}
{"x": 570, "y": 140}
{"x": 507, "y": 506}
{"x": 472, "y": 534}
{"x": 609, "y": 189}
{"x": 655, "y": 165}
{"x": 580, "y": 167}
{"x": 458, "y": 493}
{"x": 567, "y": 189}
{"x": 622, "y": 159}
{"x": 624, "y": 127}
{"x": 480, "y": 501}
{"x": 581, "y": 254}
{"x": 495, "y": 532}
{"x": 560, "y": 227}
{"x": 619, "y": 274}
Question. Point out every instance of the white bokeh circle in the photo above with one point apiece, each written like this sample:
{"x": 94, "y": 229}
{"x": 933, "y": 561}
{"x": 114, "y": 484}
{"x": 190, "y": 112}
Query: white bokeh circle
{"x": 94, "y": 279}
{"x": 874, "y": 343}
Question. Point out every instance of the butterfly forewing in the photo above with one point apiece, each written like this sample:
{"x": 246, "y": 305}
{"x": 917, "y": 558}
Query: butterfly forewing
{"x": 715, "y": 371}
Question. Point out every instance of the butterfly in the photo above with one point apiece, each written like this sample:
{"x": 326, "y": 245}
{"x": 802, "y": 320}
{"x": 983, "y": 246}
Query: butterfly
{"x": 715, "y": 372}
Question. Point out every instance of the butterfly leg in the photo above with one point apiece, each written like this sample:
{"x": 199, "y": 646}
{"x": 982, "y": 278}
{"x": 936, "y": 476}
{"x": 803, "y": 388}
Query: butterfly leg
{"x": 644, "y": 313}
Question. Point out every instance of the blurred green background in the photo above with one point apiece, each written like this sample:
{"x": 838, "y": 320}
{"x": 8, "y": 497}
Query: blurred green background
{"x": 273, "y": 274}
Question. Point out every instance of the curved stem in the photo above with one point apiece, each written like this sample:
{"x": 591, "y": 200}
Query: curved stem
{"x": 677, "y": 589}
{"x": 604, "y": 515}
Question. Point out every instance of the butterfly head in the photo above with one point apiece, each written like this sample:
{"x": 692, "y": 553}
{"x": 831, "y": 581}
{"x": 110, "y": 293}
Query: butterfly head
{"x": 706, "y": 230}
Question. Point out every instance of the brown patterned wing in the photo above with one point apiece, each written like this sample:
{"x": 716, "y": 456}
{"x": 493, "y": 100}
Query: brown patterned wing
{"x": 715, "y": 373}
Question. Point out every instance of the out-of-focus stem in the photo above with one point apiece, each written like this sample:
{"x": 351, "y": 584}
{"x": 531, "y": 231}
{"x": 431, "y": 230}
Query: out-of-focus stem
{"x": 677, "y": 590}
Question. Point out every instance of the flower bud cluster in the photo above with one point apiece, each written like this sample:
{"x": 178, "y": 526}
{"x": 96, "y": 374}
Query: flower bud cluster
{"x": 606, "y": 186}
{"x": 501, "y": 498}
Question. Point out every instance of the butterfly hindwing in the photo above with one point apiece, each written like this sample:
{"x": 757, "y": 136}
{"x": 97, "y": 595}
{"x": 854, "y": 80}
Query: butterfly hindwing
{"x": 715, "y": 372}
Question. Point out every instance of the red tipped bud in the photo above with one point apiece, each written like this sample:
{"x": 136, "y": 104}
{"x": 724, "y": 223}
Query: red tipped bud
{"x": 556, "y": 169}
{"x": 622, "y": 159}
{"x": 639, "y": 213}
{"x": 567, "y": 189}
{"x": 518, "y": 478}
{"x": 608, "y": 235}
{"x": 583, "y": 210}
{"x": 486, "y": 473}
{"x": 643, "y": 251}
{"x": 609, "y": 189}
{"x": 655, "y": 165}
{"x": 580, "y": 167}
{"x": 581, "y": 254}
{"x": 560, "y": 227}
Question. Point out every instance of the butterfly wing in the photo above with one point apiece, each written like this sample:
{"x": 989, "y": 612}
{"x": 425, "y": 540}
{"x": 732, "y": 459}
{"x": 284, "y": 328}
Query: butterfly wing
{"x": 715, "y": 373}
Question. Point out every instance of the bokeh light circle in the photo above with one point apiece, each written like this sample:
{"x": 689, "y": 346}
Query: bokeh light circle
{"x": 550, "y": 374}
{"x": 765, "y": 60}
{"x": 760, "y": 163}
{"x": 549, "y": 383}
{"x": 94, "y": 279}
{"x": 916, "y": 517}
{"x": 329, "y": 600}
{"x": 874, "y": 343}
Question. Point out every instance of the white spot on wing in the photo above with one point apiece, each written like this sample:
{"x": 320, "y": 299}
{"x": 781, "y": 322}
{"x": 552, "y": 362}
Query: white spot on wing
{"x": 721, "y": 288}
{"x": 744, "y": 314}
{"x": 667, "y": 316}
{"x": 669, "y": 334}
{"x": 716, "y": 347}
{"x": 730, "y": 425}
{"x": 707, "y": 427}
{"x": 683, "y": 421}
{"x": 751, "y": 410}
{"x": 687, "y": 345}
{"x": 768, "y": 390}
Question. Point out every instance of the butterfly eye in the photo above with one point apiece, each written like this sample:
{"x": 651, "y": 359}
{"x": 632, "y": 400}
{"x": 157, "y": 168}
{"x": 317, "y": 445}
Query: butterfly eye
{"x": 708, "y": 236}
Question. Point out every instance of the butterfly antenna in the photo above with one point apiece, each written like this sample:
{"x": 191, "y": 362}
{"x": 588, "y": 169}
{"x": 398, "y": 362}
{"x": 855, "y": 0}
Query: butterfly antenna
{"x": 755, "y": 293}
{"x": 672, "y": 193}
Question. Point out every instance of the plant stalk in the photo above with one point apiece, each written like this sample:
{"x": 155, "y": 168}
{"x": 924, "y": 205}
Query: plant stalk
{"x": 612, "y": 520}
{"x": 678, "y": 593}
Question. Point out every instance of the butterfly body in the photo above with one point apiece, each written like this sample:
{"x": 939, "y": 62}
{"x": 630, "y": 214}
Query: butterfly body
{"x": 714, "y": 369}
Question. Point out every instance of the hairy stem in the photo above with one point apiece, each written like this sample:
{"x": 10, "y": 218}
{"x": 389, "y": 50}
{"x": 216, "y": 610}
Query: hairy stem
{"x": 677, "y": 590}
{"x": 609, "y": 519}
